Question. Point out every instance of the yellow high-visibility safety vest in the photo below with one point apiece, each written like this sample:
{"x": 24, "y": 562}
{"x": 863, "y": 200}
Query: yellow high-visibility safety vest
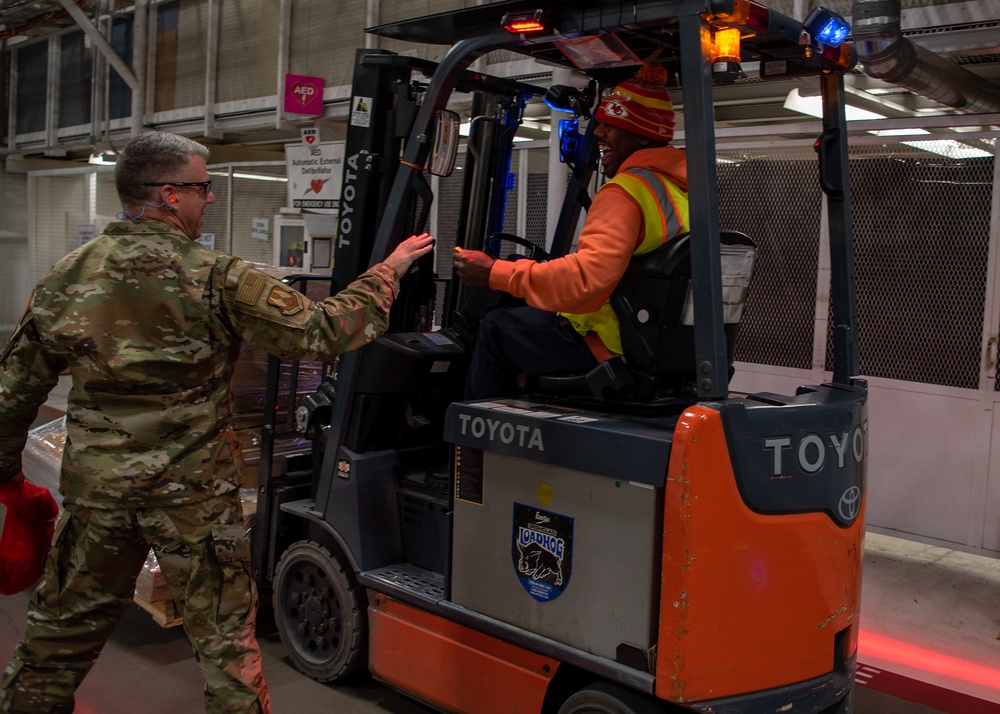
{"x": 664, "y": 214}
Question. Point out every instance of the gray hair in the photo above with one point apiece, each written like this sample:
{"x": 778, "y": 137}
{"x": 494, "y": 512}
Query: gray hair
{"x": 152, "y": 157}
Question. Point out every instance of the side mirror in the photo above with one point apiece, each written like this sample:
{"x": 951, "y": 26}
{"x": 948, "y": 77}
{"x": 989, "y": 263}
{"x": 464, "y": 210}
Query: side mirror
{"x": 564, "y": 98}
{"x": 445, "y": 151}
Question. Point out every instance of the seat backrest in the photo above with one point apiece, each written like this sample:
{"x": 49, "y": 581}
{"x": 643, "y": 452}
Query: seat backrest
{"x": 655, "y": 309}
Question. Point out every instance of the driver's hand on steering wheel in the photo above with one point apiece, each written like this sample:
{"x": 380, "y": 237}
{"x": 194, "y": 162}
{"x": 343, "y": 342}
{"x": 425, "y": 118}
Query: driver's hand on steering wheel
{"x": 473, "y": 267}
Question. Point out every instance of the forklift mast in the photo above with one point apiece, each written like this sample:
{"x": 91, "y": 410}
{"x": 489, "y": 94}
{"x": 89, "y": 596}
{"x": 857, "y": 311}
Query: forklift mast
{"x": 651, "y": 542}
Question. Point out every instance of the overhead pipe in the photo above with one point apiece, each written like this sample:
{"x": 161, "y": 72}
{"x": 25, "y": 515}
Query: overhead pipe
{"x": 887, "y": 55}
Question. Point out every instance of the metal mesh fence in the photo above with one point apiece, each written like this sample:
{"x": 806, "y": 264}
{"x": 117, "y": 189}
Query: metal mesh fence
{"x": 254, "y": 191}
{"x": 448, "y": 207}
{"x": 536, "y": 195}
{"x": 921, "y": 236}
{"x": 326, "y": 37}
{"x": 921, "y": 231}
{"x": 32, "y": 72}
{"x": 74, "y": 80}
{"x": 772, "y": 195}
{"x": 511, "y": 209}
{"x": 190, "y": 40}
{"x": 242, "y": 25}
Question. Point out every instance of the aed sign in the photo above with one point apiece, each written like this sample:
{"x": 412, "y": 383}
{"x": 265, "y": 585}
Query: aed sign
{"x": 797, "y": 458}
{"x": 314, "y": 175}
{"x": 303, "y": 95}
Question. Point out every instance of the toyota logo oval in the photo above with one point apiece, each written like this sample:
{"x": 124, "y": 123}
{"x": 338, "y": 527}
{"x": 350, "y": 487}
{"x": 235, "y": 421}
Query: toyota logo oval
{"x": 850, "y": 504}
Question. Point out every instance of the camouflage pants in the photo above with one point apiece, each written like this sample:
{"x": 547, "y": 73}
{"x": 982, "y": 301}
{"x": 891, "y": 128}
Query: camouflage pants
{"x": 90, "y": 575}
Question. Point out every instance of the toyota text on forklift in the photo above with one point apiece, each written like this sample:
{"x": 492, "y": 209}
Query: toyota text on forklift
{"x": 635, "y": 539}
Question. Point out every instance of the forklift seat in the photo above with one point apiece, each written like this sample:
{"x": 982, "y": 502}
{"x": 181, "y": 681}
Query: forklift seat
{"x": 656, "y": 316}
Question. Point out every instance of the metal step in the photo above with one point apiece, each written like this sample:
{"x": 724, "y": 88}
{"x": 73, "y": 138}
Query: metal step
{"x": 404, "y": 579}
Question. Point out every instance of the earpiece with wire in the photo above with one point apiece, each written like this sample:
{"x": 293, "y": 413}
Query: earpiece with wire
{"x": 124, "y": 215}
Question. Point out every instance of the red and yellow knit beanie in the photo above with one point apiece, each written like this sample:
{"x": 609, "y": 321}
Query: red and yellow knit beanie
{"x": 641, "y": 105}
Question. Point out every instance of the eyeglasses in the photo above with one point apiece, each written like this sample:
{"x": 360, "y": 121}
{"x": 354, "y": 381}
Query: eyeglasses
{"x": 206, "y": 186}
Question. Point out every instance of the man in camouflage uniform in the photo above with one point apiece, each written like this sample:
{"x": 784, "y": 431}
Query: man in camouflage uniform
{"x": 148, "y": 322}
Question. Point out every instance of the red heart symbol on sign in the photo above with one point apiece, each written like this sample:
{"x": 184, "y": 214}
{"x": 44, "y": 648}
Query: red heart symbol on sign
{"x": 317, "y": 185}
{"x": 303, "y": 92}
{"x": 310, "y": 139}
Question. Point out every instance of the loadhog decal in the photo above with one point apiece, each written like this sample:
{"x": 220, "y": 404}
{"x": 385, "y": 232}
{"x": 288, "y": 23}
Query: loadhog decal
{"x": 542, "y": 551}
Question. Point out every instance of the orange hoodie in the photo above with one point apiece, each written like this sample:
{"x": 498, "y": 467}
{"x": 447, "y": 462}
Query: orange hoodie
{"x": 583, "y": 281}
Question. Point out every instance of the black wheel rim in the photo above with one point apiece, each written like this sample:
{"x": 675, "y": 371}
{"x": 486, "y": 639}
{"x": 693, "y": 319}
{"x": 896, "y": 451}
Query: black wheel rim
{"x": 311, "y": 613}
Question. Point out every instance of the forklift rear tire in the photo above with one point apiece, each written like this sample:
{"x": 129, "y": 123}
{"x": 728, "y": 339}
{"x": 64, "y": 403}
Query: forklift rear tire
{"x": 319, "y": 609}
{"x": 603, "y": 698}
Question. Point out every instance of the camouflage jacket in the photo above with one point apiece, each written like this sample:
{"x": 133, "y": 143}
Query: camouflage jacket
{"x": 149, "y": 324}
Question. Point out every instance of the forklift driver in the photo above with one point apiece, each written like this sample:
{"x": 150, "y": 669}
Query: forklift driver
{"x": 569, "y": 325}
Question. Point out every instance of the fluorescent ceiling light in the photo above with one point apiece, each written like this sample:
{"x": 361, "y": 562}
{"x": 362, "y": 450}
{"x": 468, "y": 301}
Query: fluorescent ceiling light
{"x": 540, "y": 126}
{"x": 463, "y": 130}
{"x": 898, "y": 132}
{"x": 951, "y": 149}
{"x": 813, "y": 106}
{"x": 254, "y": 177}
{"x": 105, "y": 159}
{"x": 260, "y": 177}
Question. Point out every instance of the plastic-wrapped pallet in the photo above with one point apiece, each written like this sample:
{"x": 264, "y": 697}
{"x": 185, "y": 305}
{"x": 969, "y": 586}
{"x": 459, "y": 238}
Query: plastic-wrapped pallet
{"x": 42, "y": 455}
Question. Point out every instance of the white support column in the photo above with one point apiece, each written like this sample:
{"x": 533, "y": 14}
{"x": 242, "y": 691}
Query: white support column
{"x": 52, "y": 92}
{"x": 153, "y": 30}
{"x": 986, "y": 471}
{"x": 12, "y": 108}
{"x": 991, "y": 316}
{"x": 140, "y": 32}
{"x": 97, "y": 72}
{"x": 821, "y": 320}
{"x": 522, "y": 192}
{"x": 284, "y": 30}
{"x": 372, "y": 15}
{"x": 558, "y": 171}
{"x": 212, "y": 70}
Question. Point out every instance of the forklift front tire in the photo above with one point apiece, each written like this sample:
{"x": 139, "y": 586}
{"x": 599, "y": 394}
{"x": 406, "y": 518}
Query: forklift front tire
{"x": 319, "y": 609}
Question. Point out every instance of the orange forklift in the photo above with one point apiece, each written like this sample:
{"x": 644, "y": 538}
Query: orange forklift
{"x": 631, "y": 540}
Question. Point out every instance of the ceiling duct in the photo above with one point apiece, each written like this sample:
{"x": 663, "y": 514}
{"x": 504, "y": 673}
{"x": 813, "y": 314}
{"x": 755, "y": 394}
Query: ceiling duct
{"x": 887, "y": 55}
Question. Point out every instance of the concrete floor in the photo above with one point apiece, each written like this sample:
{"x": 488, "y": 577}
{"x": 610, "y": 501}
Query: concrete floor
{"x": 929, "y": 613}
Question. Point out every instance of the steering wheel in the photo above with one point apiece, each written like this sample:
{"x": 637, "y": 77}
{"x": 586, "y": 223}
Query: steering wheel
{"x": 496, "y": 247}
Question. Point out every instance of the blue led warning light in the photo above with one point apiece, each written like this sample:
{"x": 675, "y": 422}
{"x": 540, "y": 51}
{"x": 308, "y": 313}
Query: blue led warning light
{"x": 827, "y": 27}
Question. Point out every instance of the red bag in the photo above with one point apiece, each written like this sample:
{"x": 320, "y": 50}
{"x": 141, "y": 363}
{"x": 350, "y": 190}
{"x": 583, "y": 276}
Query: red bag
{"x": 27, "y": 534}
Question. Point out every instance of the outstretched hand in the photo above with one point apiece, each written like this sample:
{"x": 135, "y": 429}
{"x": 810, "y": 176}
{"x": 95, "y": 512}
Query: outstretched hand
{"x": 473, "y": 267}
{"x": 408, "y": 251}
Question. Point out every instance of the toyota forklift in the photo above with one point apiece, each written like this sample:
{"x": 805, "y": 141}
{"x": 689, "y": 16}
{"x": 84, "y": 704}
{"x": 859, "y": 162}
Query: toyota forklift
{"x": 634, "y": 539}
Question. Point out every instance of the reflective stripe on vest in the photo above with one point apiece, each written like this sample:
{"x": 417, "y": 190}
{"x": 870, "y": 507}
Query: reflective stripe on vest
{"x": 664, "y": 209}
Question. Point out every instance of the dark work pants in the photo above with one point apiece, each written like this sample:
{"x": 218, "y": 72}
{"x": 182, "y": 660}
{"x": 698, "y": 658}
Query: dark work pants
{"x": 523, "y": 339}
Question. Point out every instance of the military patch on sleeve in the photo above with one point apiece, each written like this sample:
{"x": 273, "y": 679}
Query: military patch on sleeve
{"x": 250, "y": 287}
{"x": 288, "y": 301}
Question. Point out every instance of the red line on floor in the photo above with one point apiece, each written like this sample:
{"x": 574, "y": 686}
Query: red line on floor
{"x": 931, "y": 695}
